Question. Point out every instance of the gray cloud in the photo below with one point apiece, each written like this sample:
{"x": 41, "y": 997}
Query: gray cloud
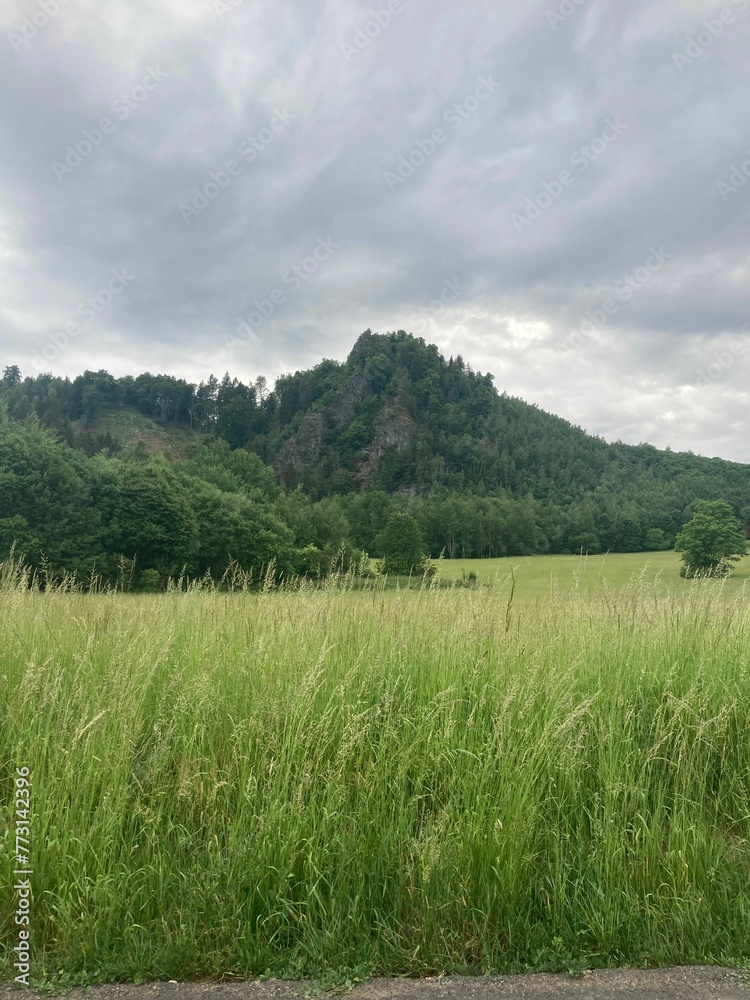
{"x": 361, "y": 90}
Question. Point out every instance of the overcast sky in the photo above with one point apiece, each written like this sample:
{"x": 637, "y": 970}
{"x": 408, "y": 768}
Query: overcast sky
{"x": 553, "y": 190}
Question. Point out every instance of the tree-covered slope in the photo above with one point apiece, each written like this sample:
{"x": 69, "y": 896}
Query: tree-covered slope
{"x": 333, "y": 451}
{"x": 397, "y": 416}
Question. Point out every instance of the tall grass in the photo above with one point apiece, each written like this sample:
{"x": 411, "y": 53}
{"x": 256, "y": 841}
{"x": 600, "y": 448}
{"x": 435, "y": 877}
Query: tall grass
{"x": 400, "y": 782}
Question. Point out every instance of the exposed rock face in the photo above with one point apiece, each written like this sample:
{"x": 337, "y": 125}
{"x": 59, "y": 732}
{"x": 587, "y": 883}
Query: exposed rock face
{"x": 341, "y": 410}
{"x": 394, "y": 429}
{"x": 303, "y": 449}
{"x": 306, "y": 446}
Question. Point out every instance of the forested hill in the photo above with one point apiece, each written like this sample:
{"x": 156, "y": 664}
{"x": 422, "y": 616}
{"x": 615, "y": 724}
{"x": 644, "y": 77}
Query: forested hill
{"x": 395, "y": 426}
{"x": 396, "y": 416}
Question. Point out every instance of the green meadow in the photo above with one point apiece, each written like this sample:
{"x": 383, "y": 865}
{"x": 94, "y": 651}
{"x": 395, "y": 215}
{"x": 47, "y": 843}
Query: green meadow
{"x": 334, "y": 783}
{"x": 538, "y": 576}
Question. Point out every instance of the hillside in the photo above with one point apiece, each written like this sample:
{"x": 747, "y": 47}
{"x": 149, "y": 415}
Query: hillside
{"x": 327, "y": 454}
{"x": 397, "y": 416}
{"x": 124, "y": 429}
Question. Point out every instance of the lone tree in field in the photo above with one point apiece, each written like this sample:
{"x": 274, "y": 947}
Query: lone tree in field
{"x": 711, "y": 541}
{"x": 402, "y": 546}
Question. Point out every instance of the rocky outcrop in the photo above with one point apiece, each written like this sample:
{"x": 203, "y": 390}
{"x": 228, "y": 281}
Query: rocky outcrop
{"x": 394, "y": 428}
{"x": 342, "y": 409}
{"x": 305, "y": 448}
{"x": 302, "y": 449}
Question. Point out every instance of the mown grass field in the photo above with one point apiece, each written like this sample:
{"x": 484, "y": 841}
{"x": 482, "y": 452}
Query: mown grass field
{"x": 537, "y": 576}
{"x": 328, "y": 783}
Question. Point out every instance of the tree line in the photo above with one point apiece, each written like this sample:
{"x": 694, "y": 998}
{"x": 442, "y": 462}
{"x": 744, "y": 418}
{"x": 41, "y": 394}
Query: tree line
{"x": 307, "y": 473}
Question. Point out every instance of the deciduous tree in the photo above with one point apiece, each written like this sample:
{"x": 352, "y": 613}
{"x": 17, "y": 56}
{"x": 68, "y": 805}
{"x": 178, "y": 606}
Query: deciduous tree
{"x": 711, "y": 541}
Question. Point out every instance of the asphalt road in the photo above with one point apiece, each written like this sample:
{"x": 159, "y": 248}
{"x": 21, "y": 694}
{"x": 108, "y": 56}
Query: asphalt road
{"x": 691, "y": 983}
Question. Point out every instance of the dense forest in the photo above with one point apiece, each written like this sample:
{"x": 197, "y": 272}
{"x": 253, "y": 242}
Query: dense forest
{"x": 311, "y": 469}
